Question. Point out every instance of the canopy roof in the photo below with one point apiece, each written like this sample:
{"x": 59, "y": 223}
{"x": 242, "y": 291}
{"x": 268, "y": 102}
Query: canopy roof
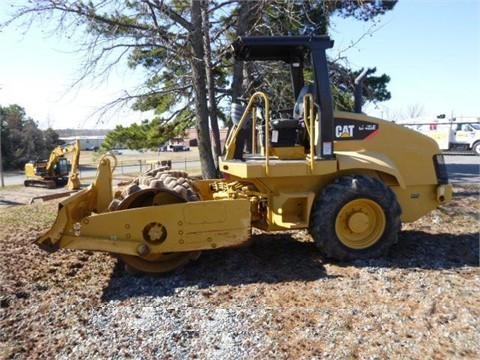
{"x": 286, "y": 48}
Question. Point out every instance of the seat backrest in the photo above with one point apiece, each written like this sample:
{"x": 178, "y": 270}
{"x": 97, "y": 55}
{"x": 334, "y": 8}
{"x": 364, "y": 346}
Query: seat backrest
{"x": 298, "y": 108}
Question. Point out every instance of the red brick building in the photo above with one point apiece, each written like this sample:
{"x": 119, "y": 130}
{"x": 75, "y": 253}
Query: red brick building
{"x": 192, "y": 137}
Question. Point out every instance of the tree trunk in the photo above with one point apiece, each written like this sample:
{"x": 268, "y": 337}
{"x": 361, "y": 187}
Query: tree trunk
{"x": 213, "y": 110}
{"x": 199, "y": 86}
{"x": 243, "y": 25}
{"x": 246, "y": 18}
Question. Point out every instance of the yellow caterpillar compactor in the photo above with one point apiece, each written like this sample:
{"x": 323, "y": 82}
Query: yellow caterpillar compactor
{"x": 57, "y": 170}
{"x": 348, "y": 178}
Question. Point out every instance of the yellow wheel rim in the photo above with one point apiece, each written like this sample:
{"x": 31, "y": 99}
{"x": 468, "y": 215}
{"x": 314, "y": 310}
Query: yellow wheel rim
{"x": 360, "y": 223}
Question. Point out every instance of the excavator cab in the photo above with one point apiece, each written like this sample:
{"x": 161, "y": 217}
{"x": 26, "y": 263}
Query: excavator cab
{"x": 62, "y": 167}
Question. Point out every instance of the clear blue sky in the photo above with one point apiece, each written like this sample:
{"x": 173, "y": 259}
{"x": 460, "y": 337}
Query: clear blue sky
{"x": 430, "y": 49}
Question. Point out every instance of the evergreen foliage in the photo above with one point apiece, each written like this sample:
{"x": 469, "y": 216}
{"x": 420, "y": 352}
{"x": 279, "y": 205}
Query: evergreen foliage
{"x": 22, "y": 140}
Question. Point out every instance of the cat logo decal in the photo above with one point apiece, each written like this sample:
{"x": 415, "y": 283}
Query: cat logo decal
{"x": 349, "y": 129}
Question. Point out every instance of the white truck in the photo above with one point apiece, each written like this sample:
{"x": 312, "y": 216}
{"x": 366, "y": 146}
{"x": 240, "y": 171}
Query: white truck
{"x": 174, "y": 145}
{"x": 461, "y": 133}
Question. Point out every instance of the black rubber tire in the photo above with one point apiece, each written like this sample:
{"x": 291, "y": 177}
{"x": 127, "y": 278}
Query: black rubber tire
{"x": 476, "y": 148}
{"x": 334, "y": 197}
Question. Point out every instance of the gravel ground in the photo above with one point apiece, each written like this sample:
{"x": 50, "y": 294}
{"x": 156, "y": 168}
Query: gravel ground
{"x": 277, "y": 298}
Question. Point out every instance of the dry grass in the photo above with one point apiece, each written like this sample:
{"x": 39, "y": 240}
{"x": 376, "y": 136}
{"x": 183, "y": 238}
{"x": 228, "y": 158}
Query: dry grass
{"x": 91, "y": 157}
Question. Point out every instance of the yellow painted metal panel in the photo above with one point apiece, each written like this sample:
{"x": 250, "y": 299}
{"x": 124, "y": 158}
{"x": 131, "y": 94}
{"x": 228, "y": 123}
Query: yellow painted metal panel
{"x": 411, "y": 153}
{"x": 292, "y": 210}
{"x": 416, "y": 201}
{"x": 277, "y": 168}
{"x": 369, "y": 161}
{"x": 187, "y": 226}
{"x": 205, "y": 213}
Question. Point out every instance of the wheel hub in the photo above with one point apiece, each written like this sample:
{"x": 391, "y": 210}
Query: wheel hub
{"x": 358, "y": 222}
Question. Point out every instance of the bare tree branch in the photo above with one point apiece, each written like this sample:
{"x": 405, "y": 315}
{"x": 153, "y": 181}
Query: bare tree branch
{"x": 160, "y": 5}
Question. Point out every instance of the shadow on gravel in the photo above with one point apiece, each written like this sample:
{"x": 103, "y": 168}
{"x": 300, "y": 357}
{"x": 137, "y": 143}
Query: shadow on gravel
{"x": 435, "y": 251}
{"x": 269, "y": 259}
{"x": 422, "y": 250}
{"x": 280, "y": 258}
{"x": 10, "y": 203}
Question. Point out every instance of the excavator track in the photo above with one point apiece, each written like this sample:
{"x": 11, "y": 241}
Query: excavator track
{"x": 49, "y": 184}
{"x": 164, "y": 188}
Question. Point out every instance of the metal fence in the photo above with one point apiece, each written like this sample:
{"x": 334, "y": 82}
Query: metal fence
{"x": 136, "y": 167}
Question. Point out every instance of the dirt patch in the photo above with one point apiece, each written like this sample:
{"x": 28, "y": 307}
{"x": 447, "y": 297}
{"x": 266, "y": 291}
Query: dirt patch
{"x": 20, "y": 195}
{"x": 277, "y": 298}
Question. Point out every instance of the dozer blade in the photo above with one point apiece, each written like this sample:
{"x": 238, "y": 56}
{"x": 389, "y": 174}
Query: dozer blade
{"x": 151, "y": 230}
{"x": 71, "y": 211}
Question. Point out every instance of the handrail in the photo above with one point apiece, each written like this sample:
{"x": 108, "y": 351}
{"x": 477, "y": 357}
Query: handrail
{"x": 254, "y": 131}
{"x": 308, "y": 104}
{"x": 230, "y": 142}
{"x": 309, "y": 120}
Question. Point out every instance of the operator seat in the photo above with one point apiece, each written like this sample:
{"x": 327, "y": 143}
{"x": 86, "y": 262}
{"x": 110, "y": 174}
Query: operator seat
{"x": 291, "y": 131}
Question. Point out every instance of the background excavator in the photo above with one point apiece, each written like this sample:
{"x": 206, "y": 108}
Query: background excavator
{"x": 57, "y": 170}
{"x": 347, "y": 178}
